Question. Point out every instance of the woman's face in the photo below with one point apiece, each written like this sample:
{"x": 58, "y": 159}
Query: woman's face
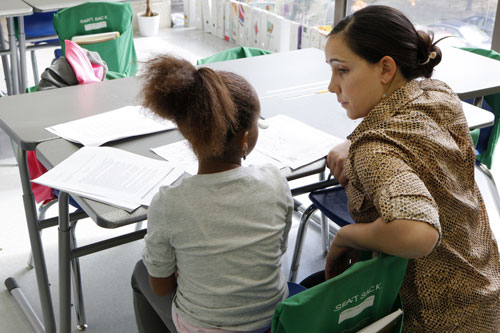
{"x": 356, "y": 82}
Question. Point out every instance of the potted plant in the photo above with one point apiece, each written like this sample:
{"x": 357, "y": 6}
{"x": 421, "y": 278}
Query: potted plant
{"x": 148, "y": 21}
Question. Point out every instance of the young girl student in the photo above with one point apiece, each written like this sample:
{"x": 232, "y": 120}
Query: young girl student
{"x": 215, "y": 240}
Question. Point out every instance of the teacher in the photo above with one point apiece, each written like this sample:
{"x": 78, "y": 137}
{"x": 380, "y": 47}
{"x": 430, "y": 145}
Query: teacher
{"x": 408, "y": 169}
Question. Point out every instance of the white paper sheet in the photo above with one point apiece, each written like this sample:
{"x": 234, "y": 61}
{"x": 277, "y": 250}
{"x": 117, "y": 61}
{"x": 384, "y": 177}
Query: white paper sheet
{"x": 109, "y": 175}
{"x": 294, "y": 143}
{"x": 113, "y": 125}
{"x": 180, "y": 154}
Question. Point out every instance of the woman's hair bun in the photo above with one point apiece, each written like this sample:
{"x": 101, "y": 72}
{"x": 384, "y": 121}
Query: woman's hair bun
{"x": 429, "y": 54}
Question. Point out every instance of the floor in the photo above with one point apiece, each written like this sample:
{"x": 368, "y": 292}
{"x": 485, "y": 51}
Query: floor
{"x": 106, "y": 275}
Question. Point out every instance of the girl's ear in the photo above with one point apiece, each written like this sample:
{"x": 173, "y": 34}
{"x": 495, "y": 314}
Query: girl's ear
{"x": 244, "y": 143}
{"x": 388, "y": 69}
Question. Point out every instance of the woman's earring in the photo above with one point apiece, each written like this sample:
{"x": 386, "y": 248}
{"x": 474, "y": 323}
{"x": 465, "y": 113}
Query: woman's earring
{"x": 245, "y": 154}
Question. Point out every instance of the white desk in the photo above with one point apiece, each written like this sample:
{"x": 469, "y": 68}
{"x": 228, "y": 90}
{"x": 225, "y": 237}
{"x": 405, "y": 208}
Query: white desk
{"x": 288, "y": 82}
{"x": 11, "y": 9}
{"x": 469, "y": 75}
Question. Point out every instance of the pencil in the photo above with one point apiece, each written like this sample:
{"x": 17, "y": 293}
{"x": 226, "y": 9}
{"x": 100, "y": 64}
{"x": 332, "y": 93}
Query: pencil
{"x": 321, "y": 92}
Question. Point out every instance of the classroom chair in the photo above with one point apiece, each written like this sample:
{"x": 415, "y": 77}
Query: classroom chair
{"x": 365, "y": 293}
{"x": 99, "y": 17}
{"x": 486, "y": 139}
{"x": 331, "y": 201}
{"x": 39, "y": 31}
{"x": 234, "y": 53}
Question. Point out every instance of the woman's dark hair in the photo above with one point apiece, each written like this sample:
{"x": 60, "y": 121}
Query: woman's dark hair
{"x": 377, "y": 31}
{"x": 209, "y": 107}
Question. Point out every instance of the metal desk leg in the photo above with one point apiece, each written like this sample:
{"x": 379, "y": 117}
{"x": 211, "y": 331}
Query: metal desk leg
{"x": 13, "y": 55}
{"x": 5, "y": 63}
{"x": 36, "y": 243}
{"x": 81, "y": 320}
{"x": 23, "y": 82}
{"x": 64, "y": 265}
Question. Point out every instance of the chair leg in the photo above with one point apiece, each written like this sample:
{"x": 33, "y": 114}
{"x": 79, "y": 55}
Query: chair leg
{"x": 42, "y": 210}
{"x": 5, "y": 63}
{"x": 34, "y": 64}
{"x": 301, "y": 232}
{"x": 81, "y": 320}
{"x": 492, "y": 185}
{"x": 325, "y": 230}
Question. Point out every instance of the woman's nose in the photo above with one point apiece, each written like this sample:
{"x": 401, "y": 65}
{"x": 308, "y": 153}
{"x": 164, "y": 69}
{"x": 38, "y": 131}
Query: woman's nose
{"x": 333, "y": 87}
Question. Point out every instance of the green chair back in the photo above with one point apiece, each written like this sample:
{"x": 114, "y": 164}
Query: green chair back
{"x": 231, "y": 54}
{"x": 98, "y": 17}
{"x": 363, "y": 294}
{"x": 486, "y": 157}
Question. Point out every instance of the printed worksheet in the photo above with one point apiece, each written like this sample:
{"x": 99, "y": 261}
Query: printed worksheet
{"x": 110, "y": 175}
{"x": 294, "y": 143}
{"x": 181, "y": 155}
{"x": 113, "y": 125}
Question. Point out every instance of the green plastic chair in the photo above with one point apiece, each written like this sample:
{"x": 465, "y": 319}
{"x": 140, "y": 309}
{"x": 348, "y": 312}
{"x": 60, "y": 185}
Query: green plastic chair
{"x": 98, "y": 17}
{"x": 231, "y": 54}
{"x": 486, "y": 139}
{"x": 365, "y": 293}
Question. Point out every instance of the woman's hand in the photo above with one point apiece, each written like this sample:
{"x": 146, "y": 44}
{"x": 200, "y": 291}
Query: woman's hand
{"x": 335, "y": 161}
{"x": 339, "y": 259}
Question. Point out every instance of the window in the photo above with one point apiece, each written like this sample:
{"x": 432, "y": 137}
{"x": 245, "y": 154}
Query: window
{"x": 469, "y": 22}
{"x": 308, "y": 12}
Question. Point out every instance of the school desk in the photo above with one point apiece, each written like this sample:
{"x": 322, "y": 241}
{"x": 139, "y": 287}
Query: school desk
{"x": 11, "y": 9}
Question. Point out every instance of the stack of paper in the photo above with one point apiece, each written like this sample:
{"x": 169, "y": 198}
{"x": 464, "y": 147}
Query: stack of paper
{"x": 113, "y": 125}
{"x": 111, "y": 176}
{"x": 181, "y": 155}
{"x": 95, "y": 38}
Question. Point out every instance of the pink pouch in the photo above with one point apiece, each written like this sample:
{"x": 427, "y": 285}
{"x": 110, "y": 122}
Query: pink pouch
{"x": 36, "y": 169}
{"x": 85, "y": 71}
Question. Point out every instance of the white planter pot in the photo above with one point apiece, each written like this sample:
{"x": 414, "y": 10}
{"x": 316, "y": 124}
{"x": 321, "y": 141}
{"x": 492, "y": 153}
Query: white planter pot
{"x": 148, "y": 26}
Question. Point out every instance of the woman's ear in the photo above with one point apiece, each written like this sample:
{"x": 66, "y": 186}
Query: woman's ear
{"x": 388, "y": 69}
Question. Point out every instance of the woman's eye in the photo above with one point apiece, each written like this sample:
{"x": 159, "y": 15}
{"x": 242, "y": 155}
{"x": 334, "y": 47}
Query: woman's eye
{"x": 342, "y": 70}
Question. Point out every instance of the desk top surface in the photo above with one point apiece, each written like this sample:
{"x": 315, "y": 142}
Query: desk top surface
{"x": 25, "y": 117}
{"x": 468, "y": 74}
{"x": 9, "y": 8}
{"x": 53, "y": 5}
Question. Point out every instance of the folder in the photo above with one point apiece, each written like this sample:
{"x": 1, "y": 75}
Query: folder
{"x": 219, "y": 15}
{"x": 295, "y": 33}
{"x": 207, "y": 15}
{"x": 234, "y": 25}
{"x": 245, "y": 28}
{"x": 305, "y": 41}
{"x": 95, "y": 38}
